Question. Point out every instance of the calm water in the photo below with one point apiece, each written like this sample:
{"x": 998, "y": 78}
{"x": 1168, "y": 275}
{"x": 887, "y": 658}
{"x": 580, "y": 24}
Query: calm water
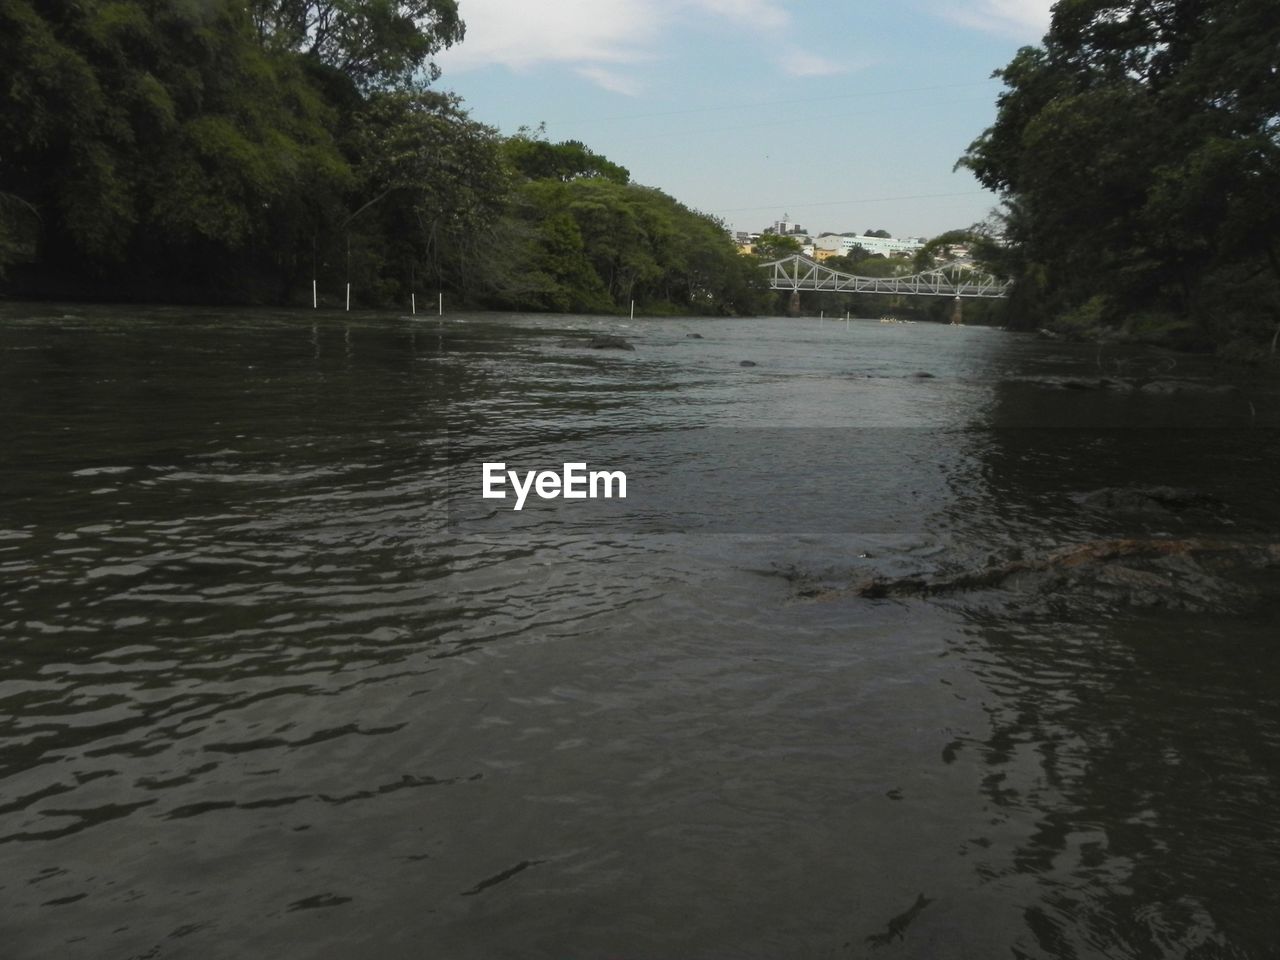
{"x": 277, "y": 683}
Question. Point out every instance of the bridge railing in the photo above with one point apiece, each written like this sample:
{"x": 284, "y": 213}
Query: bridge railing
{"x": 955, "y": 279}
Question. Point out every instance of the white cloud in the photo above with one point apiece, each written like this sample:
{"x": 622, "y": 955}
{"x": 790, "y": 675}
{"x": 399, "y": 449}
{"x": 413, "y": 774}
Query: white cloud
{"x": 801, "y": 63}
{"x": 520, "y": 34}
{"x": 611, "y": 80}
{"x": 1025, "y": 20}
{"x": 594, "y": 37}
{"x": 761, "y": 14}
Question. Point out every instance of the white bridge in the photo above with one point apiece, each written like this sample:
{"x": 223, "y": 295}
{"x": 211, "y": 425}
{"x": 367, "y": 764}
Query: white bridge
{"x": 955, "y": 279}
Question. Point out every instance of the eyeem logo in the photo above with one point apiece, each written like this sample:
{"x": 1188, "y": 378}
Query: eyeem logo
{"x": 572, "y": 483}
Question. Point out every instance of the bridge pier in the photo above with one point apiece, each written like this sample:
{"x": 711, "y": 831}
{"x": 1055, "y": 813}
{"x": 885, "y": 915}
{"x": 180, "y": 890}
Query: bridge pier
{"x": 793, "y": 306}
{"x": 957, "y": 314}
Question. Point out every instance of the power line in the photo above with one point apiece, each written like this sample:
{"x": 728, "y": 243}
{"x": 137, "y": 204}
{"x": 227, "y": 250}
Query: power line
{"x": 781, "y": 123}
{"x": 833, "y": 203}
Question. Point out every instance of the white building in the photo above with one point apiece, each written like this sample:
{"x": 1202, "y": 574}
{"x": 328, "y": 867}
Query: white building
{"x": 885, "y": 246}
{"x": 786, "y": 226}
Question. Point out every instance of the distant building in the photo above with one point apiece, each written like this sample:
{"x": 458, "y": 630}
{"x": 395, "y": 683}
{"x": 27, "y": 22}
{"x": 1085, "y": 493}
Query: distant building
{"x": 884, "y": 246}
{"x": 786, "y": 227}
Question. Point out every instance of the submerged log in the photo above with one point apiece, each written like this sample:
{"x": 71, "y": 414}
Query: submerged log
{"x": 1074, "y": 559}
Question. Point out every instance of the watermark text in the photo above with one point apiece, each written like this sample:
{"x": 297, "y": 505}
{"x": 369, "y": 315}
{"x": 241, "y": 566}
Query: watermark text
{"x": 573, "y": 482}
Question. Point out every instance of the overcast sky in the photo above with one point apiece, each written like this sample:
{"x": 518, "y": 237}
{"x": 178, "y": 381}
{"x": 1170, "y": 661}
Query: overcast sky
{"x": 844, "y": 114}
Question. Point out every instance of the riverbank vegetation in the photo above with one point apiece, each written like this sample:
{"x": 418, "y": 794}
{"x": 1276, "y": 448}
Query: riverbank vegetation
{"x": 239, "y": 151}
{"x": 246, "y": 150}
{"x": 1138, "y": 155}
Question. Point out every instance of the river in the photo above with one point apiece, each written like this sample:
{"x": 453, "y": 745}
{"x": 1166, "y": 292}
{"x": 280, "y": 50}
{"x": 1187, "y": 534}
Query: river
{"x": 277, "y": 681}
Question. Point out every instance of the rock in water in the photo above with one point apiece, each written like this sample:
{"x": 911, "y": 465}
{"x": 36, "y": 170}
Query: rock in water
{"x": 598, "y": 342}
{"x": 747, "y": 363}
{"x": 1147, "y": 499}
{"x": 1170, "y": 387}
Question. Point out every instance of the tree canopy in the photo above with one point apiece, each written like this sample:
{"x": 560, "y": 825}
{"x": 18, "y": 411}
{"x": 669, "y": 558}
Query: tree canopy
{"x": 244, "y": 149}
{"x": 535, "y": 158}
{"x": 774, "y": 246}
{"x": 374, "y": 42}
{"x": 1138, "y": 155}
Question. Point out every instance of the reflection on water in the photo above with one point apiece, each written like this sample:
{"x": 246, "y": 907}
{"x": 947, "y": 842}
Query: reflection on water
{"x": 263, "y": 693}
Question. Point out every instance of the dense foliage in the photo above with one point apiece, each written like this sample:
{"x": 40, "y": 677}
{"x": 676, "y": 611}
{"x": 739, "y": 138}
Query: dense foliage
{"x": 594, "y": 243}
{"x": 240, "y": 150}
{"x": 1138, "y": 152}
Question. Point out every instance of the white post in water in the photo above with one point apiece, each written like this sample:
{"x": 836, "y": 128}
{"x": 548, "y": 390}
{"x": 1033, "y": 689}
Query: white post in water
{"x": 348, "y": 295}
{"x": 821, "y": 314}
{"x": 314, "y": 302}
{"x": 633, "y": 309}
{"x": 413, "y": 303}
{"x": 440, "y": 305}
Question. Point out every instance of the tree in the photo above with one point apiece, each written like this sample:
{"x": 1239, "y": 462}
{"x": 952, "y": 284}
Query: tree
{"x": 1138, "y": 157}
{"x": 976, "y": 238}
{"x": 374, "y": 42}
{"x": 854, "y": 254}
{"x": 595, "y": 244}
{"x": 157, "y": 139}
{"x": 533, "y": 157}
{"x": 862, "y": 264}
{"x": 774, "y": 246}
{"x": 432, "y": 184}
{"x": 19, "y": 223}
{"x": 538, "y": 259}
{"x": 231, "y": 151}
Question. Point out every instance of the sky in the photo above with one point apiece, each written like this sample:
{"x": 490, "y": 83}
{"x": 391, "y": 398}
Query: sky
{"x": 843, "y": 115}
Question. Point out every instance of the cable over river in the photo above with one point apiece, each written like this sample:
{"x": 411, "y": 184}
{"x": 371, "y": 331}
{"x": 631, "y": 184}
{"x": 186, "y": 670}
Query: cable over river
{"x": 907, "y": 640}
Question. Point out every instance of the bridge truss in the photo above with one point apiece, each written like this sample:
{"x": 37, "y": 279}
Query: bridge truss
{"x": 955, "y": 279}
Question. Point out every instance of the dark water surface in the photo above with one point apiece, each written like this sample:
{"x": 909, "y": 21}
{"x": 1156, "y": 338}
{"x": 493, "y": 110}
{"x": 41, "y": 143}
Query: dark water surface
{"x": 277, "y": 683}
